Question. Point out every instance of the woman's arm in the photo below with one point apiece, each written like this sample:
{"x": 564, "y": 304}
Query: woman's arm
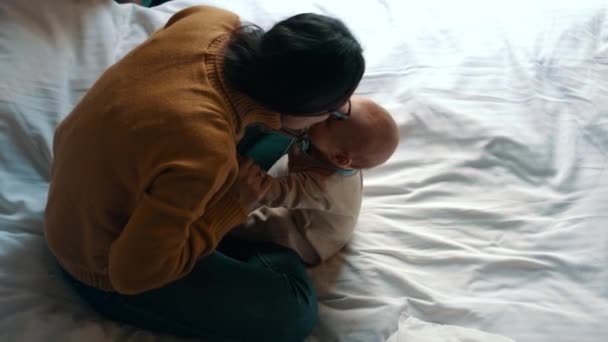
{"x": 187, "y": 203}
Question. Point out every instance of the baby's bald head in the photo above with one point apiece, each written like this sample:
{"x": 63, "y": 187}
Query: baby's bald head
{"x": 377, "y": 137}
{"x": 367, "y": 139}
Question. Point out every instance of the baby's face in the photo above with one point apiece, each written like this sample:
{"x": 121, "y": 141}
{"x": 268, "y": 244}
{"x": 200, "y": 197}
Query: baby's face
{"x": 332, "y": 133}
{"x": 366, "y": 139}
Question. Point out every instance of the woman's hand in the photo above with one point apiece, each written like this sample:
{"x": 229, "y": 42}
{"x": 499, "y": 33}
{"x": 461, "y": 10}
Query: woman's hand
{"x": 252, "y": 183}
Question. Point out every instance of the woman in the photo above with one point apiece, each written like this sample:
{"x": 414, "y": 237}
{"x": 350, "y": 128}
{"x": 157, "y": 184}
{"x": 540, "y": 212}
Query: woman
{"x": 145, "y": 184}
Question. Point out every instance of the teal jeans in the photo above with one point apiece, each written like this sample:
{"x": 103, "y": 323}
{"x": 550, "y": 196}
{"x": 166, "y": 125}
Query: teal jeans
{"x": 152, "y": 3}
{"x": 241, "y": 292}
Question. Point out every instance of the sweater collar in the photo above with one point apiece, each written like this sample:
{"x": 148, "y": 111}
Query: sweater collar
{"x": 245, "y": 110}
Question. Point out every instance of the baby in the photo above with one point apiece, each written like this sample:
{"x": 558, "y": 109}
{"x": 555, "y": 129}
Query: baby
{"x": 313, "y": 201}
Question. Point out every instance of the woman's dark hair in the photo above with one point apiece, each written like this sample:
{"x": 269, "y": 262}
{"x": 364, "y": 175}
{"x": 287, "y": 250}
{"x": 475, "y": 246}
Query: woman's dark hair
{"x": 304, "y": 65}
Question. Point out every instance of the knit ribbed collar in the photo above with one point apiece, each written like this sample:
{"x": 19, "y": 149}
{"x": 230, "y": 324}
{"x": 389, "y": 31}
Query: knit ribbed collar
{"x": 245, "y": 110}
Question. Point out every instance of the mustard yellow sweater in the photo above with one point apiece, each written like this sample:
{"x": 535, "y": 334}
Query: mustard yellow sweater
{"x": 143, "y": 166}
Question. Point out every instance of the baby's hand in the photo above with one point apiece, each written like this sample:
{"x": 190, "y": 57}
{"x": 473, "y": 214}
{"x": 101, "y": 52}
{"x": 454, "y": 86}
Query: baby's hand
{"x": 252, "y": 183}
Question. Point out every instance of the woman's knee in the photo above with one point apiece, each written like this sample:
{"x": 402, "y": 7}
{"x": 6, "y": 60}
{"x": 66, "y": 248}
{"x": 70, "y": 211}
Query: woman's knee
{"x": 297, "y": 321}
{"x": 292, "y": 310}
{"x": 298, "y": 314}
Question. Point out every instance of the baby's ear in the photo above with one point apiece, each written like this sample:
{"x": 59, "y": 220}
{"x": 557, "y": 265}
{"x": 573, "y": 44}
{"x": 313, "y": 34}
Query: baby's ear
{"x": 343, "y": 160}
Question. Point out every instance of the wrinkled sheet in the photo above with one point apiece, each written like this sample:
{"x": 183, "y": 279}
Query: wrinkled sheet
{"x": 413, "y": 329}
{"x": 492, "y": 215}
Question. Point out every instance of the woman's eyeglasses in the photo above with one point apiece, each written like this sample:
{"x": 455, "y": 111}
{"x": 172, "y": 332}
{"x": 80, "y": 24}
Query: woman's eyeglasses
{"x": 300, "y": 135}
{"x": 341, "y": 115}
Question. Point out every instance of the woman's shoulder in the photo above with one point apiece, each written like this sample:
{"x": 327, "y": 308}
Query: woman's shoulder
{"x": 206, "y": 18}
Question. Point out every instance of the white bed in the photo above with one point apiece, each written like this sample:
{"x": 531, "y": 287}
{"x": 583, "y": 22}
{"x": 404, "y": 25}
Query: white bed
{"x": 493, "y": 214}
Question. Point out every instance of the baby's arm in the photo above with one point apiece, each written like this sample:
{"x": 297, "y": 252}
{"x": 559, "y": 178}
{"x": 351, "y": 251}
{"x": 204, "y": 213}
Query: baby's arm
{"x": 301, "y": 190}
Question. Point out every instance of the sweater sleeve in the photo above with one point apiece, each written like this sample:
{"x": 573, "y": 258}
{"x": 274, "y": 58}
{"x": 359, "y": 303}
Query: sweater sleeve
{"x": 183, "y": 211}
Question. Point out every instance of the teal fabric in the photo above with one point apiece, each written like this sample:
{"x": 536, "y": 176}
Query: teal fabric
{"x": 152, "y": 3}
{"x": 264, "y": 148}
{"x": 241, "y": 292}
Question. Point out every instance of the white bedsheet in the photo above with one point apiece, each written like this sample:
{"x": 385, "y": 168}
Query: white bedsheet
{"x": 493, "y": 214}
{"x": 413, "y": 329}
